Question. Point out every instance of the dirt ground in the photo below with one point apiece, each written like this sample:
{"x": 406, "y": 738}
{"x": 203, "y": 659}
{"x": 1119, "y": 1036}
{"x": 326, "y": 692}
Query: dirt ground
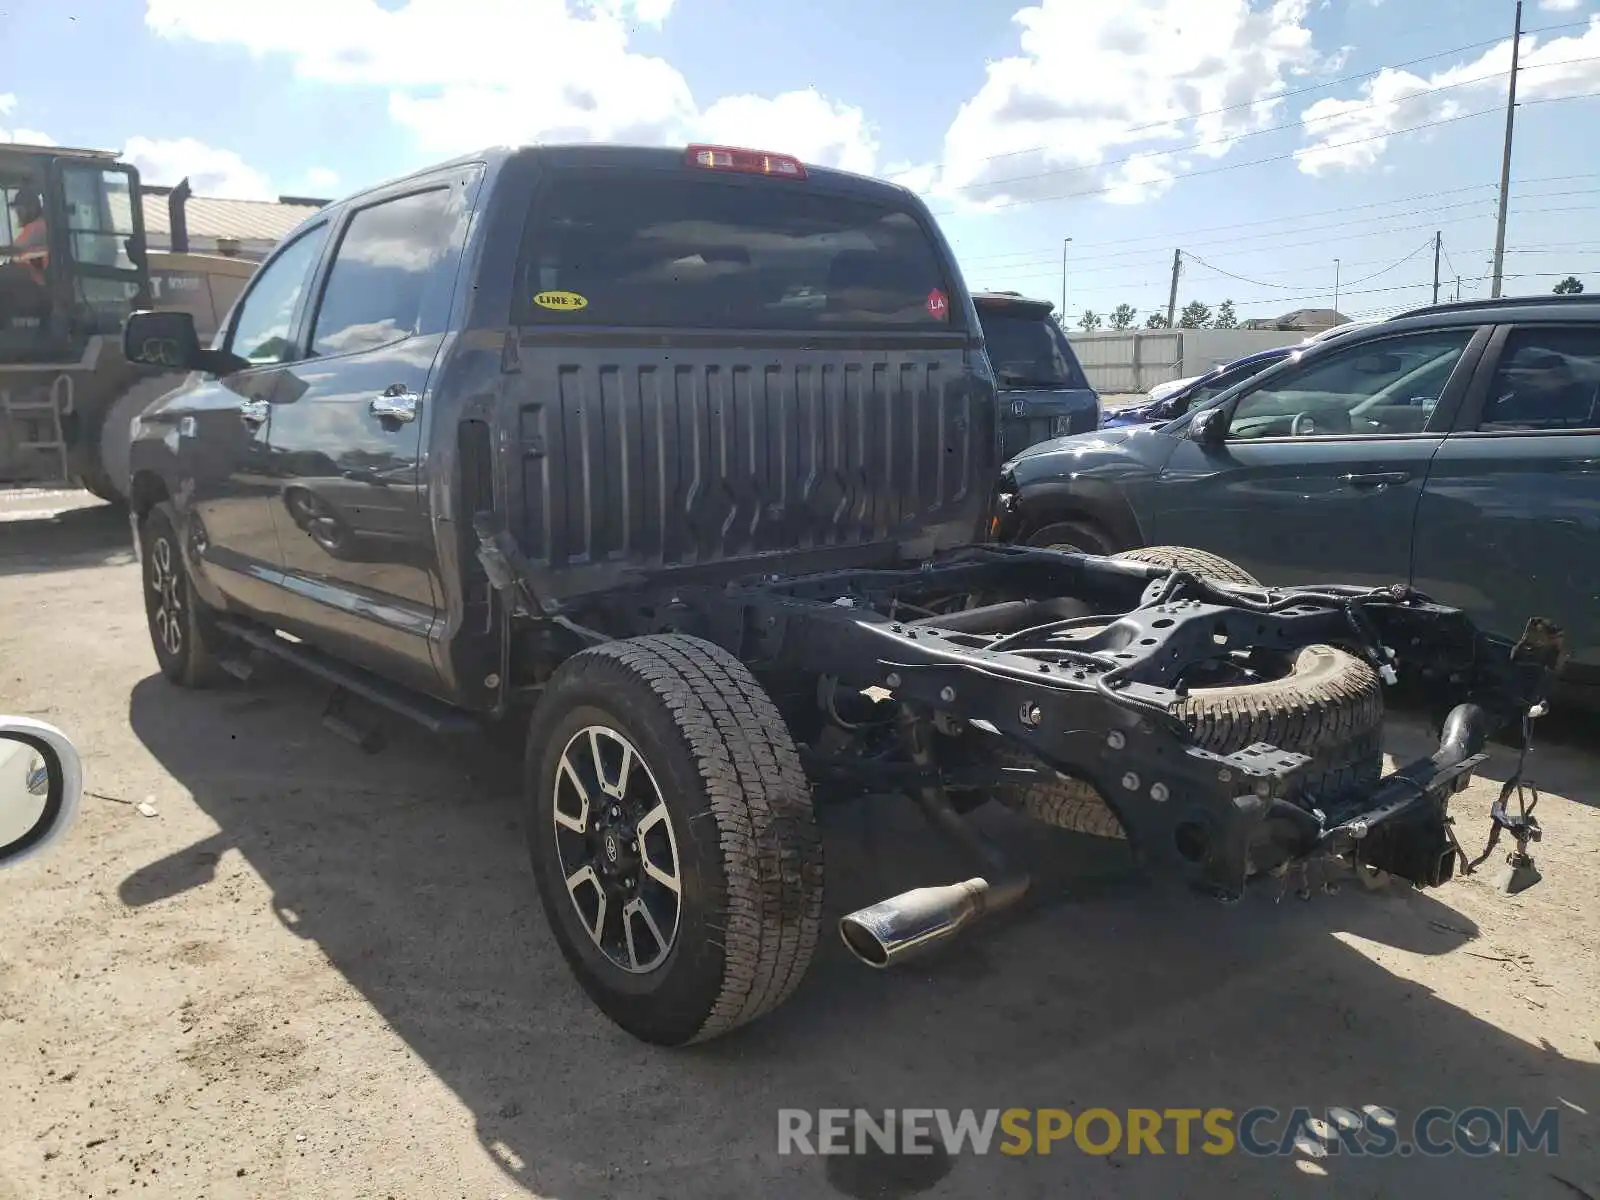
{"x": 316, "y": 973}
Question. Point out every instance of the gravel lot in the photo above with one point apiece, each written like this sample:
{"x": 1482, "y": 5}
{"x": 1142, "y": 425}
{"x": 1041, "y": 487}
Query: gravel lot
{"x": 316, "y": 973}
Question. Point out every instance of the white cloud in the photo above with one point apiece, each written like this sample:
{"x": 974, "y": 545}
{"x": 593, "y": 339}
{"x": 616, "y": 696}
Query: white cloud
{"x": 553, "y": 70}
{"x": 1560, "y": 5}
{"x": 26, "y": 137}
{"x": 322, "y": 179}
{"x": 805, "y": 124}
{"x": 1096, "y": 83}
{"x": 210, "y": 171}
{"x": 1354, "y": 133}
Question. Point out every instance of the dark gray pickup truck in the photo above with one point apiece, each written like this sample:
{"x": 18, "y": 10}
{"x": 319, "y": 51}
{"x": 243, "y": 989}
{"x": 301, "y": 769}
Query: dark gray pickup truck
{"x": 685, "y": 462}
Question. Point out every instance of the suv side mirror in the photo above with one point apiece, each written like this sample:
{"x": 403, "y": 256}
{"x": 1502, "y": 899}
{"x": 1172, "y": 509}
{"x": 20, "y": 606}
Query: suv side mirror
{"x": 1210, "y": 428}
{"x": 167, "y": 338}
{"x": 41, "y": 784}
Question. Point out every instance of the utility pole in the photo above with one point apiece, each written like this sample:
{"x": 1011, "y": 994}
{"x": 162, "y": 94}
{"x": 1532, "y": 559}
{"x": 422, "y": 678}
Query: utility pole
{"x": 1505, "y": 158}
{"x": 1439, "y": 244}
{"x": 1336, "y": 287}
{"x": 1458, "y": 287}
{"x": 1065, "y": 242}
{"x": 1172, "y": 296}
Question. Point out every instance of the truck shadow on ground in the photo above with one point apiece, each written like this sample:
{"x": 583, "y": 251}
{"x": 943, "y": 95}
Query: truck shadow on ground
{"x": 95, "y": 535}
{"x": 407, "y": 870}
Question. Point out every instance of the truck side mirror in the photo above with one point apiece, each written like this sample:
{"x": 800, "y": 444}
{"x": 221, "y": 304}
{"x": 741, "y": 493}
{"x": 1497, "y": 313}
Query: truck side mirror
{"x": 162, "y": 339}
{"x": 1209, "y": 428}
{"x": 167, "y": 338}
{"x": 41, "y": 783}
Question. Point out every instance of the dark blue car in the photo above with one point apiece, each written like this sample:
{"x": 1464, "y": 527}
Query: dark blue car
{"x": 1197, "y": 391}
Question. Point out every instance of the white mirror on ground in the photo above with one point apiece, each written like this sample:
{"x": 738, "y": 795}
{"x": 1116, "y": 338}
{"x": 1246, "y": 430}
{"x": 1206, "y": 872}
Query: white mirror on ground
{"x": 41, "y": 783}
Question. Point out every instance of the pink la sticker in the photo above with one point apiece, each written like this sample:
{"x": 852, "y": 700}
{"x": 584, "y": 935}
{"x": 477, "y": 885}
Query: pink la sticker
{"x": 938, "y": 305}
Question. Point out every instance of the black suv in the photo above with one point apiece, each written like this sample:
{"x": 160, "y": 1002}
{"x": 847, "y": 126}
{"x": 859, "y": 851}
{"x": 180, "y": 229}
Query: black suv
{"x": 1043, "y": 391}
{"x": 684, "y": 459}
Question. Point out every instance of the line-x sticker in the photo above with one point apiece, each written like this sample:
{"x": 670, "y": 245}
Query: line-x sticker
{"x": 561, "y": 301}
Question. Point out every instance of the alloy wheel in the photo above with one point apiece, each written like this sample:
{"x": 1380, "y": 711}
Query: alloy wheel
{"x": 166, "y": 581}
{"x": 617, "y": 850}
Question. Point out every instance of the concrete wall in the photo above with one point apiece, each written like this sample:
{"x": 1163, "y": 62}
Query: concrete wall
{"x": 1135, "y": 360}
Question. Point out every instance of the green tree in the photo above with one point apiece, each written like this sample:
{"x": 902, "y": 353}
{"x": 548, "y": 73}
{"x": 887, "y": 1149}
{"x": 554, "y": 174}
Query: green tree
{"x": 1226, "y": 318}
{"x": 1156, "y": 320}
{"x": 1090, "y": 321}
{"x": 1123, "y": 316}
{"x": 1195, "y": 315}
{"x": 1570, "y": 286}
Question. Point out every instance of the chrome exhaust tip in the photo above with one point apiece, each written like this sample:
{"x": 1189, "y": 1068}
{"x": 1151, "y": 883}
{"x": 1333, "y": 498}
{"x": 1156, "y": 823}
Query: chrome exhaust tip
{"x": 891, "y": 931}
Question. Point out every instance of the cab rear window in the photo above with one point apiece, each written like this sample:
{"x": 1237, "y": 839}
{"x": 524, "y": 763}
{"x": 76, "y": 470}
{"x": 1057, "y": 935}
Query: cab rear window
{"x": 663, "y": 251}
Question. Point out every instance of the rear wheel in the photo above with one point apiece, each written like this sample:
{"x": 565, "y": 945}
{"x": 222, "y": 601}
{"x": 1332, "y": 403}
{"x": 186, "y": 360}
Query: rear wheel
{"x": 672, "y": 837}
{"x": 1319, "y": 701}
{"x": 183, "y": 631}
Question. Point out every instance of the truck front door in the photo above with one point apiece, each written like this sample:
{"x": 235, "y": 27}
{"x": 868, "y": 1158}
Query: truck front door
{"x": 221, "y": 429}
{"x": 360, "y": 562}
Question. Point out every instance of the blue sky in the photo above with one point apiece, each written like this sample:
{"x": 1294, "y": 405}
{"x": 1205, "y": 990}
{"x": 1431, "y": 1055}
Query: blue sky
{"x": 1265, "y": 138}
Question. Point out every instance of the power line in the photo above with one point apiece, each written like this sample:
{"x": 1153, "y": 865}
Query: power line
{"x": 1231, "y": 139}
{"x": 1396, "y": 263}
{"x": 1279, "y": 96}
{"x": 1297, "y": 236}
{"x": 1254, "y": 282}
{"x": 1169, "y": 236}
{"x": 1258, "y": 162}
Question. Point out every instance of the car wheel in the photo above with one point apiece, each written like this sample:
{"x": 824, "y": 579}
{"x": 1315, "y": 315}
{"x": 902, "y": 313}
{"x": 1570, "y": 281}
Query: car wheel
{"x": 183, "y": 631}
{"x": 672, "y": 837}
{"x": 1320, "y": 701}
{"x": 1076, "y": 536}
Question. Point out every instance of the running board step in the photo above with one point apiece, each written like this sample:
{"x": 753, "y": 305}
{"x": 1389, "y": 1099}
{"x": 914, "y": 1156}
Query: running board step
{"x": 433, "y": 715}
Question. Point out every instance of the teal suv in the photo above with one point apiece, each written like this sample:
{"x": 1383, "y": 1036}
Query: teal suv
{"x": 1455, "y": 448}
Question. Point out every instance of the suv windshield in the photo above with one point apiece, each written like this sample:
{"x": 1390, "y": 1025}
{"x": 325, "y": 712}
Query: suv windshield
{"x": 1030, "y": 351}
{"x": 659, "y": 250}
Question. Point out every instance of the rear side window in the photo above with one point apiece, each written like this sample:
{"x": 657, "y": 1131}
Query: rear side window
{"x": 392, "y": 260}
{"x": 1030, "y": 351}
{"x": 659, "y": 250}
{"x": 1548, "y": 379}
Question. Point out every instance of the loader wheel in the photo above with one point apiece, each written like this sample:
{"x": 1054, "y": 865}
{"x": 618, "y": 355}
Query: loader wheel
{"x": 1322, "y": 702}
{"x": 672, "y": 837}
{"x": 98, "y": 484}
{"x": 1196, "y": 562}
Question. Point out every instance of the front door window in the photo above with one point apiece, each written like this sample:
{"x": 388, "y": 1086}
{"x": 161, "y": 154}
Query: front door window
{"x": 1382, "y": 387}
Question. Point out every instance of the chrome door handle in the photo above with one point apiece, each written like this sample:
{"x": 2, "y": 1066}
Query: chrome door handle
{"x": 396, "y": 404}
{"x": 1377, "y": 479}
{"x": 254, "y": 412}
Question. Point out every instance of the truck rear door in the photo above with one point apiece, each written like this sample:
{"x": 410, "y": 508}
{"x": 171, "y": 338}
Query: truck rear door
{"x": 717, "y": 367}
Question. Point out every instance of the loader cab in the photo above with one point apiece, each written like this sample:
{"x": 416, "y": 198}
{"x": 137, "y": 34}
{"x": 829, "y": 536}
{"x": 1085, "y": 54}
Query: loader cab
{"x": 72, "y": 251}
